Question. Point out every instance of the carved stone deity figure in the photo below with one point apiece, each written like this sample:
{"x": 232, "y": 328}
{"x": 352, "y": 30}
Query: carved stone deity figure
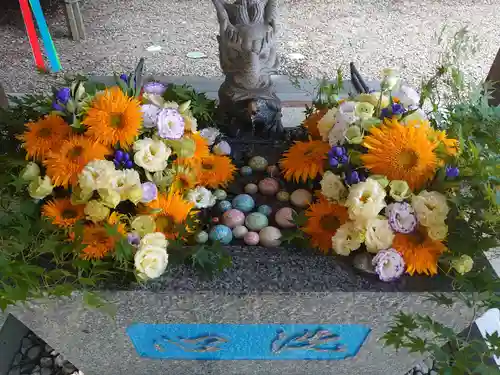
{"x": 247, "y": 100}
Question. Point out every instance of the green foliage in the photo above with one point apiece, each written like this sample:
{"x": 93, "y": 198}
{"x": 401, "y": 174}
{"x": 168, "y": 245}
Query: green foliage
{"x": 202, "y": 108}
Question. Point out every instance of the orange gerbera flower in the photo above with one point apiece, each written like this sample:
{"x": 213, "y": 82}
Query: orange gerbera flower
{"x": 311, "y": 122}
{"x": 170, "y": 211}
{"x": 184, "y": 177}
{"x": 216, "y": 171}
{"x": 201, "y": 151}
{"x": 305, "y": 160}
{"x": 114, "y": 118}
{"x": 62, "y": 213}
{"x": 65, "y": 163}
{"x": 98, "y": 242}
{"x": 420, "y": 252}
{"x": 323, "y": 220}
{"x": 401, "y": 152}
{"x": 44, "y": 135}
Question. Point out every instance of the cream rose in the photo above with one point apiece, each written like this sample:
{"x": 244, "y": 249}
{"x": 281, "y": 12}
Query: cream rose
{"x": 431, "y": 207}
{"x": 109, "y": 197}
{"x": 348, "y": 238}
{"x": 96, "y": 211}
{"x": 201, "y": 197}
{"x": 150, "y": 261}
{"x": 332, "y": 187}
{"x": 156, "y": 239}
{"x": 98, "y": 174}
{"x": 379, "y": 235}
{"x": 326, "y": 123}
{"x": 365, "y": 200}
{"x": 463, "y": 264}
{"x": 40, "y": 187}
{"x": 30, "y": 172}
{"x": 438, "y": 232}
{"x": 152, "y": 155}
{"x": 145, "y": 225}
{"x": 399, "y": 190}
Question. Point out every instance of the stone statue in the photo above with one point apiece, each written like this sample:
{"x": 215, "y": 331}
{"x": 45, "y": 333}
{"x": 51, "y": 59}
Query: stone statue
{"x": 247, "y": 100}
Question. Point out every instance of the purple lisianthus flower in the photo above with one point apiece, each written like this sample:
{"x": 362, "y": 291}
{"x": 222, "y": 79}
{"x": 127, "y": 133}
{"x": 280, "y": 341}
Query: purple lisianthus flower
{"x": 401, "y": 216}
{"x": 134, "y": 239}
{"x": 352, "y": 178}
{"x": 57, "y": 107}
{"x": 149, "y": 192}
{"x": 155, "y": 88}
{"x": 63, "y": 95}
{"x": 452, "y": 172}
{"x": 389, "y": 265}
{"x": 397, "y": 109}
{"x": 149, "y": 115}
{"x": 170, "y": 124}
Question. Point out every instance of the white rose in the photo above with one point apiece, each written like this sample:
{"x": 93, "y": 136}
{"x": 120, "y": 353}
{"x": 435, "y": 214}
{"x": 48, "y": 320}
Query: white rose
{"x": 348, "y": 238}
{"x": 326, "y": 123}
{"x": 332, "y": 187}
{"x": 438, "y": 232}
{"x": 30, "y": 172}
{"x": 150, "y": 261}
{"x": 210, "y": 134}
{"x": 365, "y": 200}
{"x": 40, "y": 187}
{"x": 222, "y": 148}
{"x": 201, "y": 197}
{"x": 126, "y": 180}
{"x": 407, "y": 96}
{"x": 98, "y": 174}
{"x": 379, "y": 235}
{"x": 156, "y": 239}
{"x": 152, "y": 155}
{"x": 336, "y": 136}
{"x": 431, "y": 207}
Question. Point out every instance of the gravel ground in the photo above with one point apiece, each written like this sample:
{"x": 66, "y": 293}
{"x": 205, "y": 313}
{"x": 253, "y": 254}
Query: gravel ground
{"x": 328, "y": 33}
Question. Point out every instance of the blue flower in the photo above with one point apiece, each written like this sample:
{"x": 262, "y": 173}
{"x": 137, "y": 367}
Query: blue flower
{"x": 385, "y": 113}
{"x": 352, "y": 178}
{"x": 452, "y": 172}
{"x": 124, "y": 78}
{"x": 344, "y": 159}
{"x": 57, "y": 107}
{"x": 63, "y": 95}
{"x": 397, "y": 109}
{"x": 333, "y": 162}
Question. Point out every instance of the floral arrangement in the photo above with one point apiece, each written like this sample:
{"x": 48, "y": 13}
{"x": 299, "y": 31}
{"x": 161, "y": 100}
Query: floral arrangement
{"x": 387, "y": 180}
{"x": 122, "y": 172}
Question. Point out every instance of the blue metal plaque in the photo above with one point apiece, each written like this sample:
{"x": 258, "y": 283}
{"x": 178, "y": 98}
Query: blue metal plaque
{"x": 247, "y": 341}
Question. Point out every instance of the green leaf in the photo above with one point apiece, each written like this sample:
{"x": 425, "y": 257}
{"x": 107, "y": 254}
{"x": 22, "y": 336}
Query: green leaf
{"x": 441, "y": 299}
{"x": 62, "y": 290}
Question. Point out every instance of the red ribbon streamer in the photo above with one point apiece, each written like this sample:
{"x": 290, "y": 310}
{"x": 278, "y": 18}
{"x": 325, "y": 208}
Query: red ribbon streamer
{"x": 32, "y": 35}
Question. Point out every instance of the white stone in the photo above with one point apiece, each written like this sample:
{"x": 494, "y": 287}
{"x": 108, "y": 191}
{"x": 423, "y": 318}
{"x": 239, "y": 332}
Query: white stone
{"x": 270, "y": 237}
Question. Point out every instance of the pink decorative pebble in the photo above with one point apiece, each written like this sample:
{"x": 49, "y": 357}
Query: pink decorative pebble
{"x": 251, "y": 238}
{"x": 269, "y": 186}
{"x": 284, "y": 217}
{"x": 233, "y": 218}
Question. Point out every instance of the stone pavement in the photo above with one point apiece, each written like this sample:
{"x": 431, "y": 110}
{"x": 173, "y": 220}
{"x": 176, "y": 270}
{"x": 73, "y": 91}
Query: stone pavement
{"x": 316, "y": 37}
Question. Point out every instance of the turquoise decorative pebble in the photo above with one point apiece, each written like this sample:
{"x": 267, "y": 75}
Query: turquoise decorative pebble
{"x": 243, "y": 202}
{"x": 201, "y": 237}
{"x": 256, "y": 221}
{"x": 246, "y": 170}
{"x": 220, "y": 194}
{"x": 265, "y": 209}
{"x": 221, "y": 233}
{"x": 224, "y": 206}
{"x": 258, "y": 163}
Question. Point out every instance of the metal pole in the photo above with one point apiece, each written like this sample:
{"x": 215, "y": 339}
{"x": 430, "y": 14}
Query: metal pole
{"x": 494, "y": 76}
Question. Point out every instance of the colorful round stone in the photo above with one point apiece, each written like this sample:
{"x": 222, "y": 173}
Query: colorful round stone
{"x": 251, "y": 188}
{"x": 220, "y": 194}
{"x": 256, "y": 221}
{"x": 269, "y": 186}
{"x": 221, "y": 233}
{"x": 224, "y": 206}
{"x": 301, "y": 198}
{"x": 270, "y": 237}
{"x": 233, "y": 217}
{"x": 243, "y": 202}
{"x": 258, "y": 163}
{"x": 201, "y": 237}
{"x": 265, "y": 209}
{"x": 284, "y": 217}
{"x": 251, "y": 238}
{"x": 240, "y": 231}
{"x": 283, "y": 196}
{"x": 246, "y": 170}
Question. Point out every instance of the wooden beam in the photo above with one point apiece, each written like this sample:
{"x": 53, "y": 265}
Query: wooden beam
{"x": 494, "y": 76}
